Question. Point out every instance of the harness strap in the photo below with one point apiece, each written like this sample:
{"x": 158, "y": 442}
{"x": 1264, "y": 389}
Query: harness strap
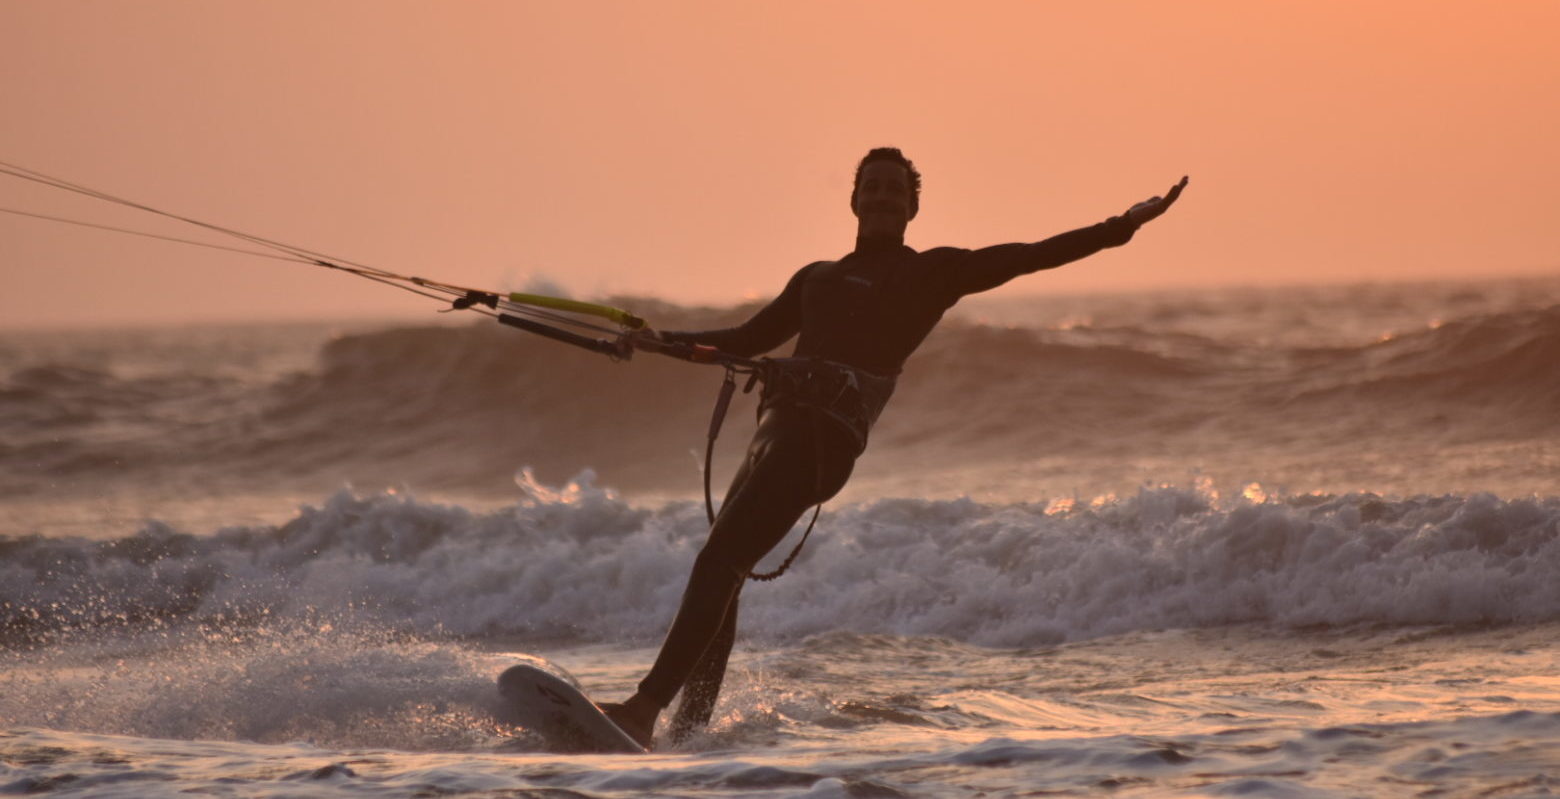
{"x": 722, "y": 402}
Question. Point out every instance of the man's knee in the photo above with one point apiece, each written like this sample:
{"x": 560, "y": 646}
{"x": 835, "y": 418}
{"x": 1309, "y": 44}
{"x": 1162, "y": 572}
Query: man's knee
{"x": 722, "y": 564}
{"x": 746, "y": 531}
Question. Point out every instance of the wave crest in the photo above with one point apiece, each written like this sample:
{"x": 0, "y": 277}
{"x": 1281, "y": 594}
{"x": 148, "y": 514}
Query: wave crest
{"x": 582, "y": 564}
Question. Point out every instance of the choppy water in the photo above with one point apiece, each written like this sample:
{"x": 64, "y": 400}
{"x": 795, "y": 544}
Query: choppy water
{"x": 1278, "y": 542}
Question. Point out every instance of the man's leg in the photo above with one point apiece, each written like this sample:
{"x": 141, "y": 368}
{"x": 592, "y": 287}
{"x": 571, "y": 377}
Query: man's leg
{"x": 778, "y": 481}
{"x": 753, "y": 521}
{"x": 703, "y": 686}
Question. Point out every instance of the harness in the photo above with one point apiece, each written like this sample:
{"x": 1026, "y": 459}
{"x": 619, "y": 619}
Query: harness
{"x": 852, "y": 398}
{"x": 848, "y": 397}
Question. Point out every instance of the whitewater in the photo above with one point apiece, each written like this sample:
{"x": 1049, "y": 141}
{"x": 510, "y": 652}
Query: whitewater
{"x": 1277, "y": 542}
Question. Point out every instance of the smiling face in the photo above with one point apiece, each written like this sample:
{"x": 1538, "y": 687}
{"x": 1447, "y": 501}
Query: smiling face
{"x": 883, "y": 200}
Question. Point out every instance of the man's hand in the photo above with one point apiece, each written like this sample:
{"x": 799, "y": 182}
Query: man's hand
{"x": 1149, "y": 210}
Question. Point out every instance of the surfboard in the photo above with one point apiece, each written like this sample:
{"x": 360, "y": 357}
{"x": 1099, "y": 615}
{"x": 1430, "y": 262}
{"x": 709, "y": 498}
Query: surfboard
{"x": 549, "y": 702}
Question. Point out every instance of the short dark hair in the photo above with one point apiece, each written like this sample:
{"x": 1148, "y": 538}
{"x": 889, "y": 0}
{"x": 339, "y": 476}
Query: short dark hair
{"x": 894, "y": 155}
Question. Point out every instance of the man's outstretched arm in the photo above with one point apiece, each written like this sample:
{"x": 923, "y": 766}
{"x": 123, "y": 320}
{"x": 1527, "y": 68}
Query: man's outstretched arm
{"x": 990, "y": 267}
{"x": 767, "y": 329}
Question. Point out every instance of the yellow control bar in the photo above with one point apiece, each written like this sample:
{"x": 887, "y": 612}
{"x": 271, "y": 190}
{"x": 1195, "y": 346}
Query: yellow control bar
{"x": 618, "y": 315}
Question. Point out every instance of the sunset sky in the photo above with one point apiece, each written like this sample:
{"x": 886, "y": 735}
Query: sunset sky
{"x": 702, "y": 151}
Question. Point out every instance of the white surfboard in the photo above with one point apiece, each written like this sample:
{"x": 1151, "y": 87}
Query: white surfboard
{"x": 549, "y": 702}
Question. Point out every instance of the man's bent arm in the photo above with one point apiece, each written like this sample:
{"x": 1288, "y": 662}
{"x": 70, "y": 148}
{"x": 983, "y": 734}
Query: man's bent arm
{"x": 769, "y": 328}
{"x": 989, "y": 267}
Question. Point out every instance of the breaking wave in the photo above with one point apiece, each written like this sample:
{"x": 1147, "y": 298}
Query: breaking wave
{"x": 579, "y": 564}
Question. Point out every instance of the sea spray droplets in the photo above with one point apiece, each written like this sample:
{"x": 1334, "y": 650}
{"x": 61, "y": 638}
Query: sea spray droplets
{"x": 286, "y": 681}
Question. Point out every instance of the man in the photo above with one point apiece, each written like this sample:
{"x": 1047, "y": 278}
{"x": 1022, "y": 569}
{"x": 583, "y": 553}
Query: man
{"x": 857, "y": 319}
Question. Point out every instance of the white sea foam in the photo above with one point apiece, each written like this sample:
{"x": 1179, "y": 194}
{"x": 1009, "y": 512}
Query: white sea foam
{"x": 582, "y": 564}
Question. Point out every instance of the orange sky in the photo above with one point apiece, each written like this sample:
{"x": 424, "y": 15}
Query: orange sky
{"x": 702, "y": 151}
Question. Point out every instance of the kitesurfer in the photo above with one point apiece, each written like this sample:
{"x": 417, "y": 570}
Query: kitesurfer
{"x": 857, "y": 319}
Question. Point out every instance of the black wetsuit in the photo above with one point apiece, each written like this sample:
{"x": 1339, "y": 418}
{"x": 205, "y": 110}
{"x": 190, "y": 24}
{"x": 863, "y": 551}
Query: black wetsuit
{"x": 867, "y": 311}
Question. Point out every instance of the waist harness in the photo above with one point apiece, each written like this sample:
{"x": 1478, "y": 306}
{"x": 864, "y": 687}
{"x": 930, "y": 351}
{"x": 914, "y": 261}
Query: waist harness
{"x": 851, "y": 398}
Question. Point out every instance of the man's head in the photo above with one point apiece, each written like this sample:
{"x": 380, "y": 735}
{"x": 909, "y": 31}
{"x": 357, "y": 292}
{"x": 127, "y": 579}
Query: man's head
{"x": 886, "y": 194}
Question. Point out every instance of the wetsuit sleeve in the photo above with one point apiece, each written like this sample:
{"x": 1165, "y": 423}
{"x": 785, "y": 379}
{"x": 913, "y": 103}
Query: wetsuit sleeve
{"x": 990, "y": 267}
{"x": 769, "y": 328}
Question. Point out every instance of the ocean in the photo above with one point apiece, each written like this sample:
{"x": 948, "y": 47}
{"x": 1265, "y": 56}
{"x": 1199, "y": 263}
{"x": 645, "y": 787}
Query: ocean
{"x": 1269, "y": 542}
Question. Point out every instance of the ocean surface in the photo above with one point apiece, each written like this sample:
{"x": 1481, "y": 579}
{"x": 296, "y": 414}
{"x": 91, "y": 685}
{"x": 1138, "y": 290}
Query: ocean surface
{"x": 1276, "y": 542}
